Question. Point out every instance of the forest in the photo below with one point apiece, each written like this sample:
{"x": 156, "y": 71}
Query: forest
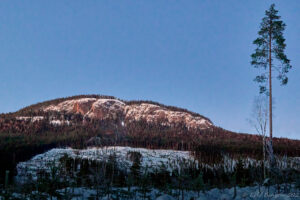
{"x": 22, "y": 140}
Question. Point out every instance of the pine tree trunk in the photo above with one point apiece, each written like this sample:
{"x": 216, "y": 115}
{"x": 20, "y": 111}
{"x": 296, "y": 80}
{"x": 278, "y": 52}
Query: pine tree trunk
{"x": 6, "y": 179}
{"x": 270, "y": 84}
{"x": 264, "y": 156}
{"x": 234, "y": 192}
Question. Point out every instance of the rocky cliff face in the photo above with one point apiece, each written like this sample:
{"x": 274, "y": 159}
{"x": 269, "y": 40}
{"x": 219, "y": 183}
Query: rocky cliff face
{"x": 104, "y": 108}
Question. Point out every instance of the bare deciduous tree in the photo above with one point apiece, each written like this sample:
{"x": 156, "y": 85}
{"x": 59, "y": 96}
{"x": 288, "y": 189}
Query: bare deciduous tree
{"x": 259, "y": 120}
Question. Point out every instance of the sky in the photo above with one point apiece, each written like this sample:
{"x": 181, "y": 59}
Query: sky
{"x": 189, "y": 54}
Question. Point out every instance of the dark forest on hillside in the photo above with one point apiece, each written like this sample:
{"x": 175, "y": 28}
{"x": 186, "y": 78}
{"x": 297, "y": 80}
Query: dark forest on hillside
{"x": 20, "y": 140}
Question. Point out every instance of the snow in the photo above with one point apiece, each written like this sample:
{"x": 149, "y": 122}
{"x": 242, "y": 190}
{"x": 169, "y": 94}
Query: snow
{"x": 151, "y": 159}
{"x": 104, "y": 108}
{"x": 108, "y": 102}
{"x": 165, "y": 197}
{"x": 246, "y": 193}
{"x": 55, "y": 122}
{"x": 37, "y": 118}
{"x": 282, "y": 197}
{"x": 153, "y": 113}
{"x": 68, "y": 105}
{"x": 225, "y": 197}
{"x": 59, "y": 122}
{"x": 32, "y": 119}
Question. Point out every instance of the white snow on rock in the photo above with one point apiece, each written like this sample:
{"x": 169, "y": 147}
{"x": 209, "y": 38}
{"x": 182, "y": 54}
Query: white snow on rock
{"x": 32, "y": 119}
{"x": 59, "y": 122}
{"x": 112, "y": 108}
{"x": 151, "y": 159}
{"x": 104, "y": 108}
{"x": 69, "y": 105}
{"x": 154, "y": 113}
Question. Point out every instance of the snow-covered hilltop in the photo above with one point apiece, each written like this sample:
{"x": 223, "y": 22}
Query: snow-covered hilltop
{"x": 107, "y": 108}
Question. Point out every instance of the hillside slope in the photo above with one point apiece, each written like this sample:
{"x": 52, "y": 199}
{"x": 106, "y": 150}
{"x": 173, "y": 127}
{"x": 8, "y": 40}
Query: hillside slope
{"x": 78, "y": 120}
{"x": 94, "y": 107}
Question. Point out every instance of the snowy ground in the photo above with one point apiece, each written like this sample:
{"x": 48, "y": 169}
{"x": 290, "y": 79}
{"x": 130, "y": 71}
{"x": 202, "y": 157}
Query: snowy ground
{"x": 151, "y": 159}
{"x": 250, "y": 193}
{"x": 246, "y": 193}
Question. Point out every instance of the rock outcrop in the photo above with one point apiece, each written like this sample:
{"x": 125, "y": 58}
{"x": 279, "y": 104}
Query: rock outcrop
{"x": 101, "y": 108}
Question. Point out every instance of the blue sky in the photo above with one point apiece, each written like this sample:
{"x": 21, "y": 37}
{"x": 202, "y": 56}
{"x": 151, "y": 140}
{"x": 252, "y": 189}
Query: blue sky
{"x": 190, "y": 54}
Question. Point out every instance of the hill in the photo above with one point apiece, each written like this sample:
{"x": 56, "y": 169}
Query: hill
{"x": 95, "y": 120}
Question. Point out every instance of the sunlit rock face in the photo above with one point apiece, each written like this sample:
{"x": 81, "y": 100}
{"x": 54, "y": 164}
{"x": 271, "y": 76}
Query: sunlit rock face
{"x": 102, "y": 108}
{"x": 81, "y": 106}
{"x": 155, "y": 113}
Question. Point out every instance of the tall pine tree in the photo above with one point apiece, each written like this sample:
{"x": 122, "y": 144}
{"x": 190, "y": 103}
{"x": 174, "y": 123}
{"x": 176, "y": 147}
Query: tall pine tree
{"x": 270, "y": 48}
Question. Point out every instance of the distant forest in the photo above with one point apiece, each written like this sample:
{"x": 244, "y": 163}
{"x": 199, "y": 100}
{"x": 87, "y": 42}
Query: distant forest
{"x": 22, "y": 139}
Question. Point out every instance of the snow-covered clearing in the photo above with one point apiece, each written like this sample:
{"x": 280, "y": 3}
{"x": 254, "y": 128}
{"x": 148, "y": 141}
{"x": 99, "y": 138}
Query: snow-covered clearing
{"x": 151, "y": 159}
{"x": 154, "y": 160}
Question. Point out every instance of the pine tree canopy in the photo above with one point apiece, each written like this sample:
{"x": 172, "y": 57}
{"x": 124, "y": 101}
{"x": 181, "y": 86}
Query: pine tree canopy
{"x": 270, "y": 40}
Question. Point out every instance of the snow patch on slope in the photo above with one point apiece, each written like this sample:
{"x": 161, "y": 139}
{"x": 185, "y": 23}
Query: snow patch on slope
{"x": 32, "y": 119}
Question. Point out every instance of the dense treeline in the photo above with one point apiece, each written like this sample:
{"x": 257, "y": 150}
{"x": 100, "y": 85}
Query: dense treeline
{"x": 207, "y": 145}
{"x": 154, "y": 135}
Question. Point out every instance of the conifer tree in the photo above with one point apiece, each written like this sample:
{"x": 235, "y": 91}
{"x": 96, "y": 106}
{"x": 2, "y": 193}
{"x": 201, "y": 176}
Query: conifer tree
{"x": 270, "y": 47}
{"x": 199, "y": 183}
{"x": 135, "y": 171}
